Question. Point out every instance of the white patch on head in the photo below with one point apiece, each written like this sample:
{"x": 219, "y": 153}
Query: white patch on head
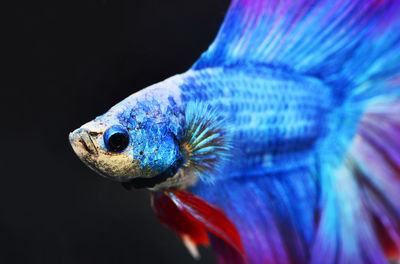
{"x": 116, "y": 166}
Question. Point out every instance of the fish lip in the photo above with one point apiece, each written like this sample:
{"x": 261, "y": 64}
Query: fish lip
{"x": 81, "y": 137}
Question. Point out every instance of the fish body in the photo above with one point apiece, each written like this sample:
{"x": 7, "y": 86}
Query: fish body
{"x": 280, "y": 144}
{"x": 262, "y": 107}
{"x": 274, "y": 126}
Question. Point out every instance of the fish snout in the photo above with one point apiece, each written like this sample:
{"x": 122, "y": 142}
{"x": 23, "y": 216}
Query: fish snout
{"x": 82, "y": 143}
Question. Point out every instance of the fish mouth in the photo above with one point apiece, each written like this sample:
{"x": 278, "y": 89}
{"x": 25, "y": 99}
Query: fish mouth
{"x": 82, "y": 143}
{"x": 139, "y": 183}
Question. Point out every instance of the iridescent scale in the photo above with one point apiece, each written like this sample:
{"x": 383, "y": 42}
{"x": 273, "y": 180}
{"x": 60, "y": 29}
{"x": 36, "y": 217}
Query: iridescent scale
{"x": 275, "y": 120}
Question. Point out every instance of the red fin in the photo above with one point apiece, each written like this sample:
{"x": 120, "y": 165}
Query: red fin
{"x": 190, "y": 215}
{"x": 180, "y": 222}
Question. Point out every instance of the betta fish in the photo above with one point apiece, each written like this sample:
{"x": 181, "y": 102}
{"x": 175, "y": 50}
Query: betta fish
{"x": 281, "y": 144}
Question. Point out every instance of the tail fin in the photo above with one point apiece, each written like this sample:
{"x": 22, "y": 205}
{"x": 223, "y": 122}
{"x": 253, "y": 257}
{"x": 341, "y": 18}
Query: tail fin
{"x": 360, "y": 205}
{"x": 376, "y": 153}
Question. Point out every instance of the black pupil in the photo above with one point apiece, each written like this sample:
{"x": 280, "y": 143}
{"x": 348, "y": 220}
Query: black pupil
{"x": 118, "y": 142}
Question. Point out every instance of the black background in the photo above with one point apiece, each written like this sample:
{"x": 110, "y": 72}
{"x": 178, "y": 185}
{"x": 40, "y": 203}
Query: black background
{"x": 67, "y": 62}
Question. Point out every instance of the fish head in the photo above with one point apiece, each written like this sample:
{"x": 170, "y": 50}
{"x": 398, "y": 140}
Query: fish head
{"x": 136, "y": 139}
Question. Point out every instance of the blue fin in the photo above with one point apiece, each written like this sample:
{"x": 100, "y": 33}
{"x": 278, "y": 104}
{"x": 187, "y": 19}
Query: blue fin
{"x": 273, "y": 229}
{"x": 343, "y": 42}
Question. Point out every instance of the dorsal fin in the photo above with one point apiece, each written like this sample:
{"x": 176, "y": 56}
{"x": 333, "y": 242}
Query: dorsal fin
{"x": 336, "y": 40}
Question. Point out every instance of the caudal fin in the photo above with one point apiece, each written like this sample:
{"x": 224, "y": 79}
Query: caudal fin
{"x": 376, "y": 152}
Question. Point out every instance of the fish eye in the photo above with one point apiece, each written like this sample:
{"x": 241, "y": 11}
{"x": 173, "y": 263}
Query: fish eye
{"x": 116, "y": 139}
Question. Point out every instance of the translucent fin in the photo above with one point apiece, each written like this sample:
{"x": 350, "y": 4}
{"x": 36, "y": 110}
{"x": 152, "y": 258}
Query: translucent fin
{"x": 343, "y": 42}
{"x": 191, "y": 246}
{"x": 205, "y": 143}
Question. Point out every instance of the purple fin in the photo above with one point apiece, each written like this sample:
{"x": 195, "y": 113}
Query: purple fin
{"x": 377, "y": 154}
{"x": 360, "y": 206}
{"x": 346, "y": 231}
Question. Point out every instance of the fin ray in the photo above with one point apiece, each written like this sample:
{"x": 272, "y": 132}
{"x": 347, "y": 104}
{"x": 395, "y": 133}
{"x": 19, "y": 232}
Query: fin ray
{"x": 344, "y": 43}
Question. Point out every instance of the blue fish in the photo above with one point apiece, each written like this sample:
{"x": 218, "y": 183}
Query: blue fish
{"x": 281, "y": 144}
